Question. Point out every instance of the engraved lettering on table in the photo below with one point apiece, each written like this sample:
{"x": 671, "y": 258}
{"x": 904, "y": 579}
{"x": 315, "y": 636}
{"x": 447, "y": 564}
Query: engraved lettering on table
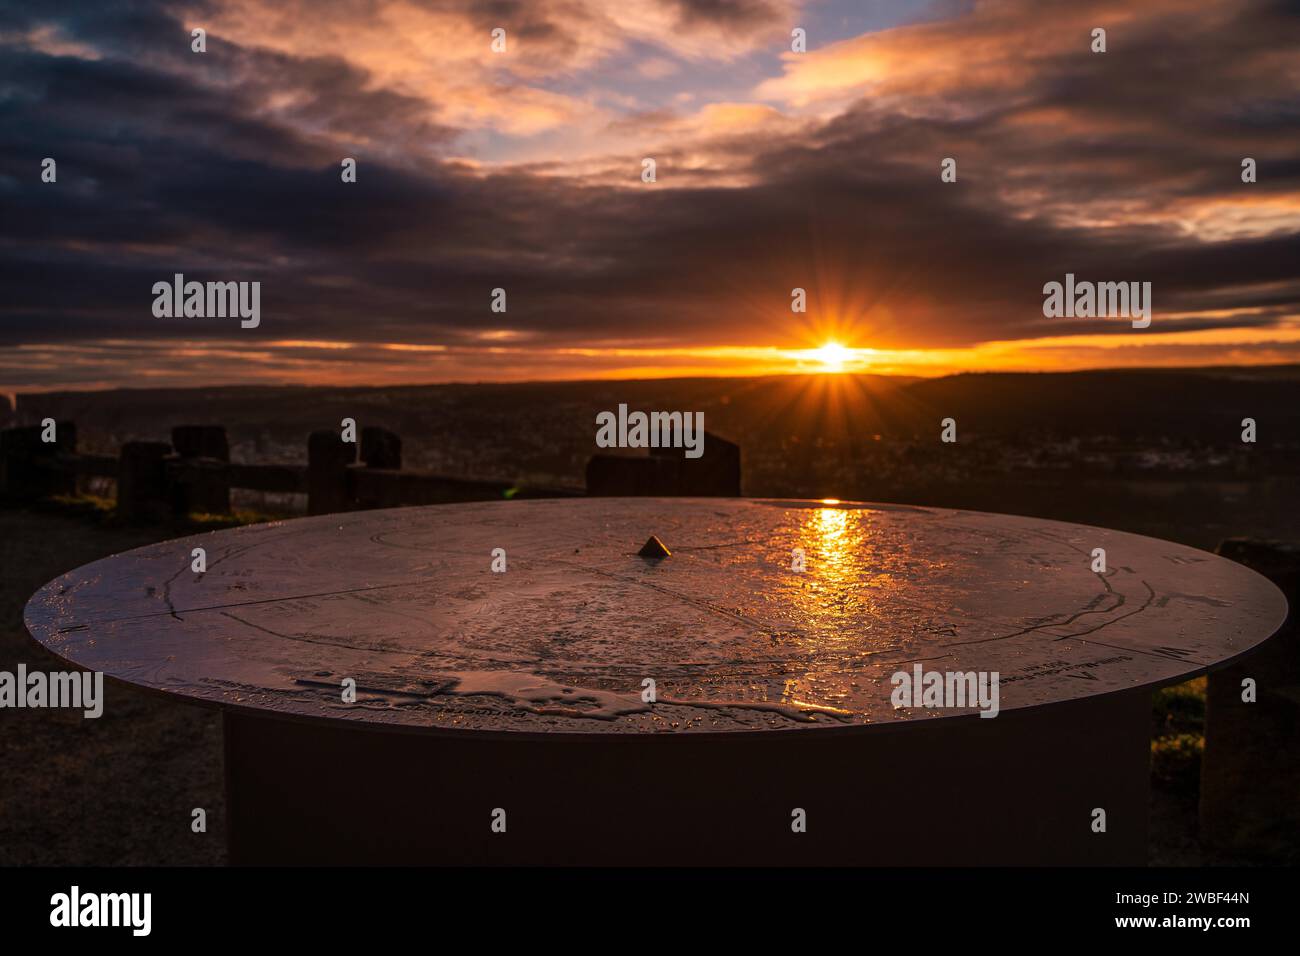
{"x": 1053, "y": 668}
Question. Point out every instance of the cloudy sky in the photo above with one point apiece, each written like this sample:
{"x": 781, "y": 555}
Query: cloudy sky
{"x": 522, "y": 170}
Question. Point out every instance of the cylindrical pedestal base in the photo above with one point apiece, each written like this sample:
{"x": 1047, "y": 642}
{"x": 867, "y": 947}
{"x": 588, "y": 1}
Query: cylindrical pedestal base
{"x": 1018, "y": 789}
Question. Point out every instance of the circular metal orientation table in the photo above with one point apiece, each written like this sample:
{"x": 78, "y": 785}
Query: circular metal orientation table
{"x": 733, "y": 701}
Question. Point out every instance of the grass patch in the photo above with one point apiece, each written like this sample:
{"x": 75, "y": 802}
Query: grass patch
{"x": 1176, "y": 762}
{"x": 104, "y": 510}
{"x": 236, "y": 518}
{"x": 1178, "y": 736}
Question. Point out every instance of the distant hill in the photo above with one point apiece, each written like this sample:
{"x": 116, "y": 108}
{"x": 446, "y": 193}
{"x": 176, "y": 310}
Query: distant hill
{"x": 1152, "y": 451}
{"x": 1182, "y": 404}
{"x": 1143, "y": 401}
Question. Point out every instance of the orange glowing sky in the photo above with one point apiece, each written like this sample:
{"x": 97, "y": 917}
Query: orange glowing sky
{"x": 776, "y": 170}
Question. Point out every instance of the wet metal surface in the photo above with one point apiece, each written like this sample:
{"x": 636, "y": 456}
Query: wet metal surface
{"x": 405, "y": 602}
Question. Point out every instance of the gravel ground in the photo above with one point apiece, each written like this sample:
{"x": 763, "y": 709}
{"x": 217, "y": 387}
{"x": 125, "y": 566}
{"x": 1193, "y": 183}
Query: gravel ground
{"x": 116, "y": 790}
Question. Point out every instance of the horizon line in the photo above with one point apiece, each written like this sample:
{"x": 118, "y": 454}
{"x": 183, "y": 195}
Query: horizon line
{"x": 12, "y": 394}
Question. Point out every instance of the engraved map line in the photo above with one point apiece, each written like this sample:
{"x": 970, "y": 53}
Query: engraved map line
{"x": 702, "y": 604}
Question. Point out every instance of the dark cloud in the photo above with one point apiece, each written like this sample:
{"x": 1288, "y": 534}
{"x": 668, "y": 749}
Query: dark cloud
{"x": 734, "y": 14}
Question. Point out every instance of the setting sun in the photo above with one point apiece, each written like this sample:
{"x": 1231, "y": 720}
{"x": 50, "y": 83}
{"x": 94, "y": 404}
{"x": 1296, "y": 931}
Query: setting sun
{"x": 832, "y": 355}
